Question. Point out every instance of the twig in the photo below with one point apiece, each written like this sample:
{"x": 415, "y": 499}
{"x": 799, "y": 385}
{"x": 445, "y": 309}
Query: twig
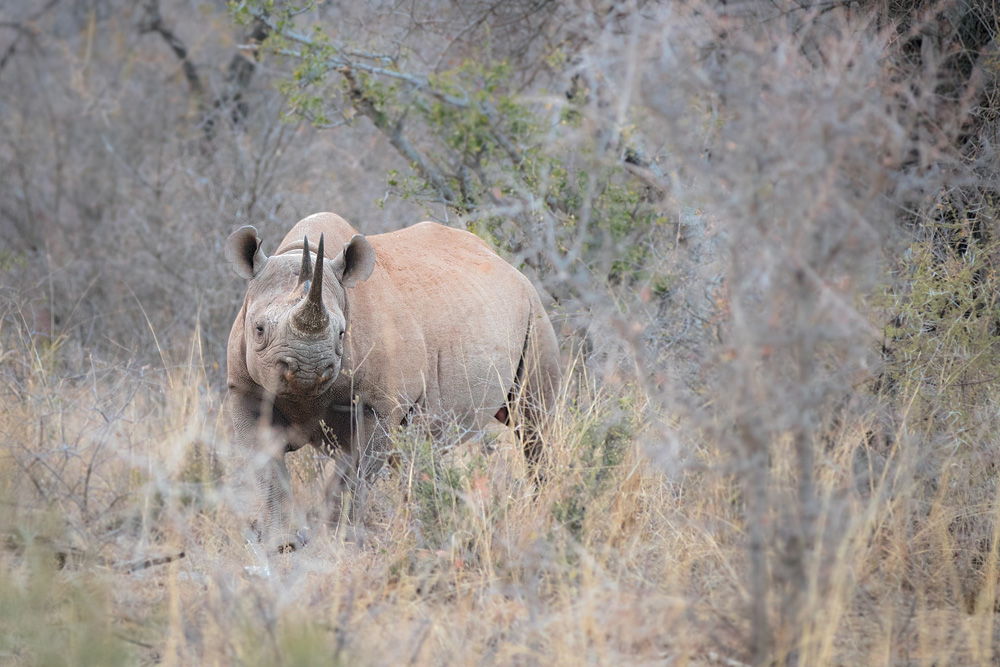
{"x": 135, "y": 566}
{"x": 65, "y": 554}
{"x": 126, "y": 638}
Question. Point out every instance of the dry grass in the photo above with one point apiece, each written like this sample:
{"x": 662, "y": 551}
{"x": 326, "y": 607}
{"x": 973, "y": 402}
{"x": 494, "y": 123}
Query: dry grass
{"x": 770, "y": 231}
{"x": 459, "y": 558}
{"x": 459, "y": 562}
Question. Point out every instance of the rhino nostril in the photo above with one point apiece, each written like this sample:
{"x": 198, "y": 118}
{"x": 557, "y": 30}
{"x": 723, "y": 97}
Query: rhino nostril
{"x": 287, "y": 368}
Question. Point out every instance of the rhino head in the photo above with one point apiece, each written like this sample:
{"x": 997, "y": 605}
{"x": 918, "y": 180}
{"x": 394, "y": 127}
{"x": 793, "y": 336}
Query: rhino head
{"x": 295, "y": 314}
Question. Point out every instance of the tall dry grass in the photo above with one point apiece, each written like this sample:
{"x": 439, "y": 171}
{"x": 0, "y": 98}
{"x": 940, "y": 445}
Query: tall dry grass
{"x": 124, "y": 542}
{"x": 776, "y": 440}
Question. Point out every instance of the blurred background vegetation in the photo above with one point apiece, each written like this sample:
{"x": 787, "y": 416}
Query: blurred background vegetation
{"x": 766, "y": 232}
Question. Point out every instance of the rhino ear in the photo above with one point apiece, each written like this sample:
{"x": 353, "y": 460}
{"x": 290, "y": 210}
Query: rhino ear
{"x": 244, "y": 253}
{"x": 355, "y": 262}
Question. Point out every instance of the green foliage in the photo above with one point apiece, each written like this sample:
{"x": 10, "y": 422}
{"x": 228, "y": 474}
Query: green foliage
{"x": 474, "y": 143}
{"x": 200, "y": 475}
{"x": 10, "y": 261}
{"x": 597, "y": 455}
{"x": 943, "y": 317}
{"x": 47, "y": 618}
{"x": 439, "y": 491}
{"x": 303, "y": 644}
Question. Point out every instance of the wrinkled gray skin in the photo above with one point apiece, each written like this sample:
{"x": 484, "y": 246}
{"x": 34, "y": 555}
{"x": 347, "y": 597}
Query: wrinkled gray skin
{"x": 427, "y": 319}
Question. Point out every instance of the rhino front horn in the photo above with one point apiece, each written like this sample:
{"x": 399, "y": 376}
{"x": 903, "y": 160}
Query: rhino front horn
{"x": 316, "y": 290}
{"x": 310, "y": 316}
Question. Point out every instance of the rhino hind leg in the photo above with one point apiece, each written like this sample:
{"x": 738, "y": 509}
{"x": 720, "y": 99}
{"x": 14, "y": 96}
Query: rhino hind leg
{"x": 535, "y": 390}
{"x": 523, "y": 415}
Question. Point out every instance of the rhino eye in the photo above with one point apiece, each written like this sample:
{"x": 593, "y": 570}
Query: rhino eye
{"x": 260, "y": 330}
{"x": 341, "y": 335}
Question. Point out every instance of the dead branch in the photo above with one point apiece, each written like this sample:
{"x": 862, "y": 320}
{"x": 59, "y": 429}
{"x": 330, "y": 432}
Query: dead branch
{"x": 23, "y": 28}
{"x": 142, "y": 564}
{"x": 238, "y": 74}
{"x": 153, "y": 22}
{"x": 394, "y": 133}
{"x": 67, "y": 555}
{"x": 238, "y": 77}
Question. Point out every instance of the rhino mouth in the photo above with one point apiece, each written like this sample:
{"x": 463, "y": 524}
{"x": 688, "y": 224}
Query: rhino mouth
{"x": 295, "y": 379}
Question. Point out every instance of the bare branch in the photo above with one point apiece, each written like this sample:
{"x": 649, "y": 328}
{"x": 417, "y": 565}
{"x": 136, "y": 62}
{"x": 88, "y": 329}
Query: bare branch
{"x": 394, "y": 133}
{"x": 153, "y": 22}
{"x": 23, "y": 28}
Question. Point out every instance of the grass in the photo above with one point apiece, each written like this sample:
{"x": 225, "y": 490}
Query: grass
{"x": 781, "y": 448}
{"x": 619, "y": 558}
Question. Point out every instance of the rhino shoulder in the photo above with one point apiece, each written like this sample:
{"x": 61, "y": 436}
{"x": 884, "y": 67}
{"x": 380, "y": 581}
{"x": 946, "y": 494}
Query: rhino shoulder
{"x": 237, "y": 376}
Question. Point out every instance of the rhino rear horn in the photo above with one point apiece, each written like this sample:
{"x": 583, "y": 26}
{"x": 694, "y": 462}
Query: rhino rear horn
{"x": 305, "y": 273}
{"x": 244, "y": 253}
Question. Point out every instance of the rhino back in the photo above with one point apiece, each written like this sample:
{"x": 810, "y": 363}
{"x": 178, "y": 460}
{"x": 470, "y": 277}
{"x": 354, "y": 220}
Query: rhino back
{"x": 469, "y": 308}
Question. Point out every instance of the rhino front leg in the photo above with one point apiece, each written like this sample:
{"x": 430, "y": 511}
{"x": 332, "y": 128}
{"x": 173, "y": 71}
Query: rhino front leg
{"x": 339, "y": 434}
{"x": 360, "y": 450}
{"x": 341, "y": 490}
{"x": 274, "y": 490}
{"x": 264, "y": 445}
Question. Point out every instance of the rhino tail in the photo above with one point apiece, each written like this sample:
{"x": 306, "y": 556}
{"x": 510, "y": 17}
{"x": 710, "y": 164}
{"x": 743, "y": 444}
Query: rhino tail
{"x": 504, "y": 415}
{"x": 536, "y": 384}
{"x": 519, "y": 373}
